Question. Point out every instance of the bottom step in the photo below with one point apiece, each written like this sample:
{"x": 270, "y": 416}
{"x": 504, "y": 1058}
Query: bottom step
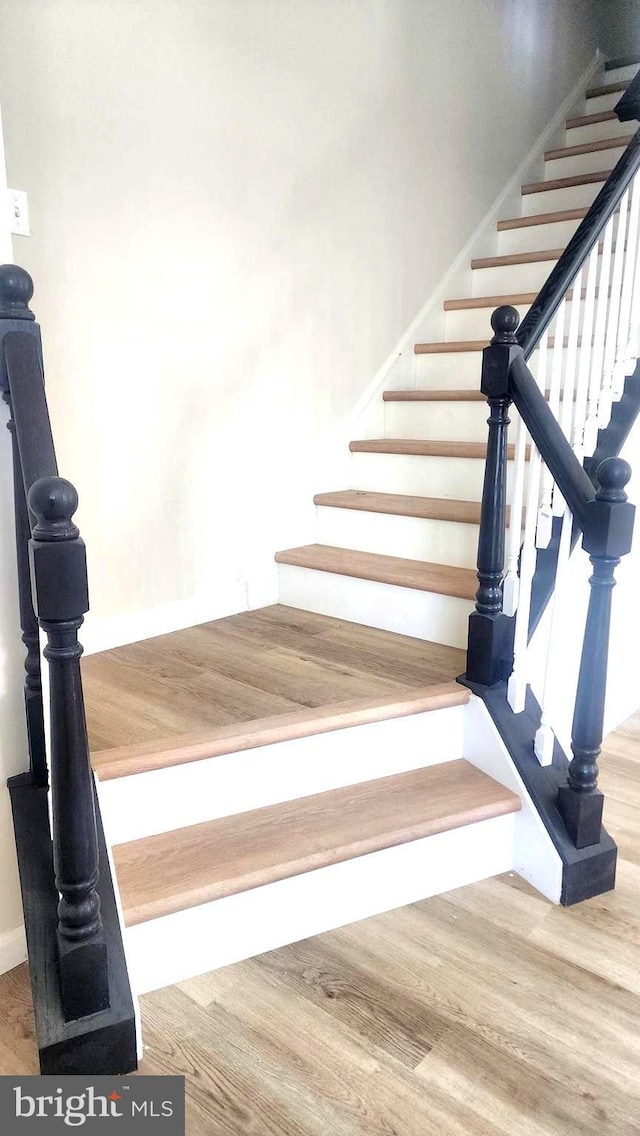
{"x": 205, "y": 896}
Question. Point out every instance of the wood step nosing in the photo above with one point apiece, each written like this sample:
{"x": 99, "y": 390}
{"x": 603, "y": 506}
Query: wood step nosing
{"x": 556, "y": 218}
{"x": 416, "y": 575}
{"x": 402, "y": 505}
{"x": 619, "y": 142}
{"x": 566, "y": 182}
{"x": 590, "y": 119}
{"x": 145, "y": 757}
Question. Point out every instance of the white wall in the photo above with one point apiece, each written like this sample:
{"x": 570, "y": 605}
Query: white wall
{"x": 237, "y": 208}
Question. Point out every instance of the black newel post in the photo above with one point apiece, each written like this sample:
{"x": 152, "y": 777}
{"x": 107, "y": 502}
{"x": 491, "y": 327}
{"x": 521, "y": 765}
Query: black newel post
{"x": 607, "y": 536}
{"x": 16, "y": 290}
{"x": 60, "y": 593}
{"x": 489, "y": 652}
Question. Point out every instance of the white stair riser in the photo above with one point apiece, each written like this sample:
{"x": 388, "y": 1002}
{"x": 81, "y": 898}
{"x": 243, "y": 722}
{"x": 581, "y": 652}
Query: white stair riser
{"x": 437, "y": 420}
{"x": 619, "y": 74}
{"x": 587, "y": 163}
{"x": 424, "y": 615}
{"x": 550, "y": 200}
{"x": 536, "y": 238}
{"x": 159, "y": 801}
{"x": 458, "y": 478}
{"x": 176, "y": 947}
{"x": 507, "y": 278}
{"x": 596, "y": 131}
{"x": 602, "y": 102}
{"x": 414, "y": 538}
{"x": 472, "y": 323}
{"x": 449, "y": 370}
{"x": 457, "y": 370}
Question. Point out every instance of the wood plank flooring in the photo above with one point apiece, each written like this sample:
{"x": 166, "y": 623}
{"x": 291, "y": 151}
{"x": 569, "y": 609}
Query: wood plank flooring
{"x": 250, "y": 666}
{"x": 485, "y": 1012}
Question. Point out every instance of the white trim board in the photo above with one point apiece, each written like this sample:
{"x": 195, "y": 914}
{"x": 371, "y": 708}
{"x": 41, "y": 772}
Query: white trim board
{"x": 102, "y": 633}
{"x": 13, "y": 948}
{"x": 6, "y": 243}
{"x": 453, "y": 279}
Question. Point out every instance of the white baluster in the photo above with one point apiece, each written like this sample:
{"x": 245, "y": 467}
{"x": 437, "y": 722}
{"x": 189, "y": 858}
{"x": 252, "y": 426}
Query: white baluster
{"x": 631, "y": 353}
{"x": 582, "y": 389}
{"x": 517, "y": 685}
{"x": 619, "y": 369}
{"x": 545, "y": 738}
{"x": 570, "y": 375}
{"x": 599, "y": 333}
{"x": 613, "y": 317}
{"x": 544, "y": 526}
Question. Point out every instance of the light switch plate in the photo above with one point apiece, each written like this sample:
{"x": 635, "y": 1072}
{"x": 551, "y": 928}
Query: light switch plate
{"x": 18, "y": 212}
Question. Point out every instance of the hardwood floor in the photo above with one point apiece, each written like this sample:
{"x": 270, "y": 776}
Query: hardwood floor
{"x": 249, "y": 666}
{"x": 485, "y": 1012}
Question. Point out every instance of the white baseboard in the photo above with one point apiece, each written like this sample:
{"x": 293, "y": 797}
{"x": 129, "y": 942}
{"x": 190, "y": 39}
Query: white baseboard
{"x": 13, "y": 948}
{"x": 104, "y": 632}
{"x": 474, "y": 246}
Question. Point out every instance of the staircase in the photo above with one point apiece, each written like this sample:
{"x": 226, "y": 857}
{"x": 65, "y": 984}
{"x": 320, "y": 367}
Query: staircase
{"x": 401, "y": 543}
{"x": 224, "y": 790}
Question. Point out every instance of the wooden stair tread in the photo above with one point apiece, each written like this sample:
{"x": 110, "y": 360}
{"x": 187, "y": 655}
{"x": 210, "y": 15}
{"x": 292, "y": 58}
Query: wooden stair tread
{"x": 566, "y": 182}
{"x": 607, "y": 89}
{"x": 467, "y": 302}
{"x": 462, "y": 345}
{"x": 125, "y": 761}
{"x": 542, "y": 219}
{"x": 517, "y": 258}
{"x": 591, "y": 119}
{"x": 403, "y": 505}
{"x": 622, "y": 61}
{"x": 177, "y": 870}
{"x": 443, "y": 579}
{"x": 433, "y": 396}
{"x": 588, "y": 147}
{"x": 422, "y": 447}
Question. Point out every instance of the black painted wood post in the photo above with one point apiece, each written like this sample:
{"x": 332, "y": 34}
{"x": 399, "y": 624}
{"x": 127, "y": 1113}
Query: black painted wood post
{"x": 608, "y": 535}
{"x": 60, "y": 593}
{"x": 16, "y": 290}
{"x": 490, "y": 650}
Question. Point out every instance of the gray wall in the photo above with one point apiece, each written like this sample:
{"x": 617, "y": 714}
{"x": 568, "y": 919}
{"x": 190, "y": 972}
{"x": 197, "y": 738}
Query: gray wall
{"x": 620, "y": 27}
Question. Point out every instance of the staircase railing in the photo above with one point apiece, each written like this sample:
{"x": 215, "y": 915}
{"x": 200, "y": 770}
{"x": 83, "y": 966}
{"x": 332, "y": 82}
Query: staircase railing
{"x": 53, "y": 593}
{"x": 575, "y": 482}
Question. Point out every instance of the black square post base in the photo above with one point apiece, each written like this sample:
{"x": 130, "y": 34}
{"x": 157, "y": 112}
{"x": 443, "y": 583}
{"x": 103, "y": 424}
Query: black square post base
{"x": 582, "y": 815}
{"x": 490, "y": 649}
{"x": 84, "y": 977}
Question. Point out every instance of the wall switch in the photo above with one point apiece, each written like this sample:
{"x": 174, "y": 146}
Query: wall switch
{"x": 18, "y": 212}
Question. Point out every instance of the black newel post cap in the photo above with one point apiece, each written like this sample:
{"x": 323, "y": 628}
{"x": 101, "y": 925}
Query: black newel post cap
{"x": 504, "y": 322}
{"x": 613, "y": 474}
{"x": 16, "y": 289}
{"x": 609, "y": 518}
{"x": 53, "y": 501}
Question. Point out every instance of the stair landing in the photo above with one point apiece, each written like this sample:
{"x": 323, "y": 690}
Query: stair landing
{"x": 252, "y": 679}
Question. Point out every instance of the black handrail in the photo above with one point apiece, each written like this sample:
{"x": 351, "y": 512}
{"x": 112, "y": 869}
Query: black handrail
{"x": 628, "y": 107}
{"x": 549, "y": 297}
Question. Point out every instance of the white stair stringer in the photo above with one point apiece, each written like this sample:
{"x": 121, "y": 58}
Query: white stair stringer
{"x": 214, "y": 934}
